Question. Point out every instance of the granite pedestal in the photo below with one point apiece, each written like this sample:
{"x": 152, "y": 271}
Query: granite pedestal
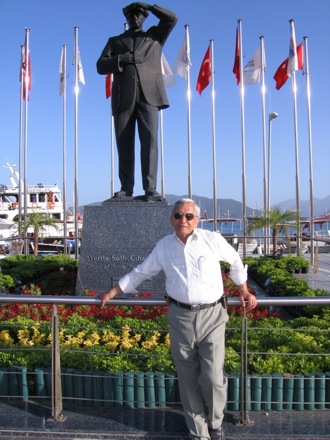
{"x": 117, "y": 237}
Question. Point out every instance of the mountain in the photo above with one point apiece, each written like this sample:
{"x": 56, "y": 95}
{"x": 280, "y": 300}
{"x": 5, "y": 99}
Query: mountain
{"x": 321, "y": 206}
{"x": 233, "y": 208}
{"x": 225, "y": 207}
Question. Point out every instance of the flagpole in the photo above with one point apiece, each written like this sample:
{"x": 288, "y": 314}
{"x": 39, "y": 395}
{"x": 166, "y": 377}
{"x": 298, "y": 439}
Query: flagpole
{"x": 27, "y": 80}
{"x": 76, "y": 88}
{"x": 20, "y": 151}
{"x": 296, "y": 159}
{"x": 264, "y": 141}
{"x": 63, "y": 92}
{"x": 311, "y": 184}
{"x": 188, "y": 115}
{"x": 243, "y": 135}
{"x": 294, "y": 94}
{"x": 213, "y": 138}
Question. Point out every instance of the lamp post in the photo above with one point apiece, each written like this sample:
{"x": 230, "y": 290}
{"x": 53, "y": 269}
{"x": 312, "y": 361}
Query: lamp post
{"x": 272, "y": 116}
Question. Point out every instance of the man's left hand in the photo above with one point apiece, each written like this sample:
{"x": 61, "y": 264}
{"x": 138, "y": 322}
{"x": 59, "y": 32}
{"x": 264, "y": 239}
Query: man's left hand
{"x": 248, "y": 300}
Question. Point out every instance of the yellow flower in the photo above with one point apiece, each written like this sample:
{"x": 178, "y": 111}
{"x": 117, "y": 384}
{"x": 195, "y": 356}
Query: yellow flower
{"x": 92, "y": 340}
{"x": 6, "y": 338}
{"x": 110, "y": 339}
{"x": 127, "y": 341}
{"x": 24, "y": 337}
{"x": 37, "y": 337}
{"x": 167, "y": 339}
{"x": 152, "y": 342}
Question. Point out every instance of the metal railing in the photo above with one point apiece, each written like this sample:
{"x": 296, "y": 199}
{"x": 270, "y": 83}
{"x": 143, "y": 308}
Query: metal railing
{"x": 56, "y": 374}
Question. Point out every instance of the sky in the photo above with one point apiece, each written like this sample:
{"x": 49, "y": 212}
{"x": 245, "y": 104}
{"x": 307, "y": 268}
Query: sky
{"x": 52, "y": 24}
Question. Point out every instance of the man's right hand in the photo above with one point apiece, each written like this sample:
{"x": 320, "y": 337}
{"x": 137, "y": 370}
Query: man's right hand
{"x": 145, "y": 6}
{"x": 126, "y": 58}
{"x": 106, "y": 296}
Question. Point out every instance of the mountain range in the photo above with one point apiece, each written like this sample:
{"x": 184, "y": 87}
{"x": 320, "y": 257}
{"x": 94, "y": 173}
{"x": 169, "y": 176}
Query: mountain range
{"x": 232, "y": 208}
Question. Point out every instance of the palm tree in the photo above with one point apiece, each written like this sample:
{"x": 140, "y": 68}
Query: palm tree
{"x": 276, "y": 220}
{"x": 37, "y": 221}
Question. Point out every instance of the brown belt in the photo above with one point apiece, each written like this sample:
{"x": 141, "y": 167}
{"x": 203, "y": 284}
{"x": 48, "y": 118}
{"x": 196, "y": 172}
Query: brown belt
{"x": 197, "y": 307}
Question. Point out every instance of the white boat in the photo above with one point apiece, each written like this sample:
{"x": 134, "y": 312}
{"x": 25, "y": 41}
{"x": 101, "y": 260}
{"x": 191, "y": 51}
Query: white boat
{"x": 290, "y": 247}
{"x": 46, "y": 199}
{"x": 251, "y": 245}
{"x": 321, "y": 242}
{"x": 321, "y": 239}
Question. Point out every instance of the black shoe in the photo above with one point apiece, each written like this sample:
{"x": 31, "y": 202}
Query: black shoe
{"x": 217, "y": 434}
{"x": 150, "y": 192}
{"x": 152, "y": 195}
{"x": 122, "y": 194}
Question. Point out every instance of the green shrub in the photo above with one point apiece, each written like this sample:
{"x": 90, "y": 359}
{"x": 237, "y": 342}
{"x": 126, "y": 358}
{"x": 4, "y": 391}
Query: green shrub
{"x": 6, "y": 281}
{"x": 27, "y": 268}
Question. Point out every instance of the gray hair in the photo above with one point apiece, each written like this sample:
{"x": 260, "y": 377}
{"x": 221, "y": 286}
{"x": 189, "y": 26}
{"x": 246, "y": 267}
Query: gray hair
{"x": 182, "y": 202}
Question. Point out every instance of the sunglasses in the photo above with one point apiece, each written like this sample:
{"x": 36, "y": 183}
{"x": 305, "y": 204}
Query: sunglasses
{"x": 189, "y": 216}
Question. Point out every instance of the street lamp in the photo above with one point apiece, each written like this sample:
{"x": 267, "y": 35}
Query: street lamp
{"x": 272, "y": 116}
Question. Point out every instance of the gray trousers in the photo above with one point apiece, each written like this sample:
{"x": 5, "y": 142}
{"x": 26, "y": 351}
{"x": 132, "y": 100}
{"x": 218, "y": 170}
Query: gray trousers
{"x": 198, "y": 351}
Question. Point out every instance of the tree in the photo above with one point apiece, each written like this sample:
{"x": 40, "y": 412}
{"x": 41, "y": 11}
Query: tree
{"x": 276, "y": 220}
{"x": 37, "y": 221}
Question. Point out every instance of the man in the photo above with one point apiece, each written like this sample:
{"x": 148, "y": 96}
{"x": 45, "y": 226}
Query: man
{"x": 138, "y": 92}
{"x": 190, "y": 259}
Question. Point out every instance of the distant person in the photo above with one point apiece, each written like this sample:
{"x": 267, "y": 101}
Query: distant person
{"x": 3, "y": 248}
{"x": 197, "y": 315}
{"x": 138, "y": 92}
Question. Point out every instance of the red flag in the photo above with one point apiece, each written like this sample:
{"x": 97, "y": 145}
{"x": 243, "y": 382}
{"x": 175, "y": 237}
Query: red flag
{"x": 281, "y": 75}
{"x": 204, "y": 75}
{"x": 236, "y": 68}
{"x": 25, "y": 76}
{"x": 108, "y": 86}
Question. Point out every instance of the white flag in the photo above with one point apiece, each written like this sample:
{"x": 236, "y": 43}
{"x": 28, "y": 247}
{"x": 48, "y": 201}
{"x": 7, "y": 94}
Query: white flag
{"x": 182, "y": 63}
{"x": 62, "y": 71}
{"x": 169, "y": 79}
{"x": 251, "y": 72}
{"x": 293, "y": 58}
{"x": 81, "y": 76}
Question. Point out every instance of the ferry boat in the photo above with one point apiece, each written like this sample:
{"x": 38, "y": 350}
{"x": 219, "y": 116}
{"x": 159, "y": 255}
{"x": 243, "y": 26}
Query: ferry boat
{"x": 46, "y": 199}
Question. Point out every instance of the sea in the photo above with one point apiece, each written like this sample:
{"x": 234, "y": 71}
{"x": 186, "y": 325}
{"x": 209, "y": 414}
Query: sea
{"x": 235, "y": 227}
{"x": 230, "y": 227}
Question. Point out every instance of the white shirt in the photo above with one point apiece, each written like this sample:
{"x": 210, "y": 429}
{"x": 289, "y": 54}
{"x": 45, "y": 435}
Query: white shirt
{"x": 192, "y": 270}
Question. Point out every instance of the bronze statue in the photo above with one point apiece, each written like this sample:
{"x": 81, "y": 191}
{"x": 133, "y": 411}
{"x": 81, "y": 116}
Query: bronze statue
{"x": 138, "y": 92}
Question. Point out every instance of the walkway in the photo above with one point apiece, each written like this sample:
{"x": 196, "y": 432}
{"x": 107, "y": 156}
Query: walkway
{"x": 29, "y": 420}
{"x": 319, "y": 276}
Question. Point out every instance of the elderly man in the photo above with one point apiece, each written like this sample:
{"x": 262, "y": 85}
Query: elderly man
{"x": 138, "y": 92}
{"x": 197, "y": 315}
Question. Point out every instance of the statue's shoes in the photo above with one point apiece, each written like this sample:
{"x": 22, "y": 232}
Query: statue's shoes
{"x": 122, "y": 194}
{"x": 153, "y": 195}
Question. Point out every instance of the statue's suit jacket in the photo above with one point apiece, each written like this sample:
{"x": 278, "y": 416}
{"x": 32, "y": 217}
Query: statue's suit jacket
{"x": 147, "y": 50}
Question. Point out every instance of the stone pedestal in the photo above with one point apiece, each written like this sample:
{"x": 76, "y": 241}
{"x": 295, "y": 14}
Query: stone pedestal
{"x": 117, "y": 237}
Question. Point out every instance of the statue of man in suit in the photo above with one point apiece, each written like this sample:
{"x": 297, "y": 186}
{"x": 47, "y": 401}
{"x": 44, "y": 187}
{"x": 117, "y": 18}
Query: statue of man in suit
{"x": 138, "y": 92}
